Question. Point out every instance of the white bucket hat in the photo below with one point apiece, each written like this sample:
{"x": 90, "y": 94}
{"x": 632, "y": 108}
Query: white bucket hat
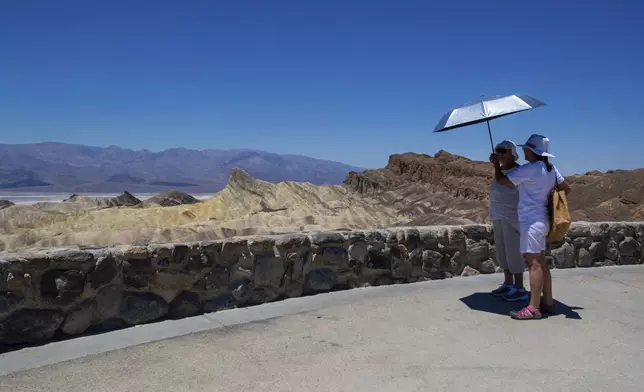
{"x": 509, "y": 144}
{"x": 538, "y": 144}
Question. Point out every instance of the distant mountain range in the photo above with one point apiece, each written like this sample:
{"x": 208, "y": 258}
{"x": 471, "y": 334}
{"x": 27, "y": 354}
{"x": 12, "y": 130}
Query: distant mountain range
{"x": 61, "y": 167}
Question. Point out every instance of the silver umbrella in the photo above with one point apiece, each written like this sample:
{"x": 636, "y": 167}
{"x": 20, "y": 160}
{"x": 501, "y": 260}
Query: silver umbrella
{"x": 486, "y": 109}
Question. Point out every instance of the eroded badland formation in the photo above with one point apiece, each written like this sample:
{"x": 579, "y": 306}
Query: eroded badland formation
{"x": 412, "y": 190}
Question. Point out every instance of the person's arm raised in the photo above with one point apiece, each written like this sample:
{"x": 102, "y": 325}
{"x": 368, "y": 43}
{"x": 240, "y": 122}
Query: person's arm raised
{"x": 500, "y": 178}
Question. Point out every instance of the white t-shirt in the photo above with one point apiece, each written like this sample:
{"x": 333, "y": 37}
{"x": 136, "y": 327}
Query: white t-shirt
{"x": 503, "y": 201}
{"x": 534, "y": 183}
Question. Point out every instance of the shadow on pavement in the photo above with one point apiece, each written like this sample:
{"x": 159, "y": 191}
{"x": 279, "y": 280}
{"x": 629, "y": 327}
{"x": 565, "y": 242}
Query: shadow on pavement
{"x": 58, "y": 337}
{"x": 485, "y": 302}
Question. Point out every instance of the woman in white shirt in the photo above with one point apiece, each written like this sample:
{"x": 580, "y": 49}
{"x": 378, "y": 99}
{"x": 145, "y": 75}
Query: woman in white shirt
{"x": 503, "y": 214}
{"x": 535, "y": 181}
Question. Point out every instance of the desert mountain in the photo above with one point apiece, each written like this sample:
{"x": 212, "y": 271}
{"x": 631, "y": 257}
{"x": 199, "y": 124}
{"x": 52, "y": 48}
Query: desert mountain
{"x": 245, "y": 206}
{"x": 413, "y": 189}
{"x": 457, "y": 187}
{"x": 60, "y": 167}
{"x": 443, "y": 189}
{"x": 172, "y": 198}
{"x": 122, "y": 200}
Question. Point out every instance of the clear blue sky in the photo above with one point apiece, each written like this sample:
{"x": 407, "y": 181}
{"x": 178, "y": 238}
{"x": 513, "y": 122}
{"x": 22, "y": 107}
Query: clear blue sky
{"x": 352, "y": 81}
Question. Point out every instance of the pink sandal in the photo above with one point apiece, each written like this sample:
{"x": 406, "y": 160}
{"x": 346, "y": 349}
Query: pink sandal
{"x": 527, "y": 313}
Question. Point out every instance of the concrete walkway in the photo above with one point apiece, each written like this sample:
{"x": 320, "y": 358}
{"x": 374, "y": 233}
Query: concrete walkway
{"x": 432, "y": 336}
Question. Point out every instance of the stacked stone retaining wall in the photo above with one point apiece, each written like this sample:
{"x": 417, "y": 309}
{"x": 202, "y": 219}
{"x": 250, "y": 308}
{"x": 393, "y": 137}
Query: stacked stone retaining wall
{"x": 69, "y": 291}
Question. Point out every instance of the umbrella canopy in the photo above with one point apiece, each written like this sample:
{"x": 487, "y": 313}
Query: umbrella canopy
{"x": 486, "y": 109}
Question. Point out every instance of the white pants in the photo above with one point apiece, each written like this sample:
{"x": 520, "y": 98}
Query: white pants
{"x": 533, "y": 236}
{"x": 506, "y": 242}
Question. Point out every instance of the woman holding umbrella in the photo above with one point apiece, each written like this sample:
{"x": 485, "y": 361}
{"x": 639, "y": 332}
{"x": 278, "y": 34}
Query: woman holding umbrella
{"x": 503, "y": 214}
{"x": 535, "y": 181}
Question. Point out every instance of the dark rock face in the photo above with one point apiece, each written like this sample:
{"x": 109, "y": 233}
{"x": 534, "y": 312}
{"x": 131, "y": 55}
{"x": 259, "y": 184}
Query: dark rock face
{"x": 5, "y": 204}
{"x": 585, "y": 258}
{"x": 137, "y": 276}
{"x": 122, "y": 200}
{"x": 564, "y": 256}
{"x": 186, "y": 304}
{"x": 140, "y": 308}
{"x": 432, "y": 263}
{"x": 268, "y": 271}
{"x": 30, "y": 325}
{"x": 106, "y": 269}
{"x": 320, "y": 280}
{"x": 629, "y": 251}
{"x": 326, "y": 239}
{"x": 125, "y": 199}
{"x": 79, "y": 318}
{"x": 221, "y": 302}
{"x": 216, "y": 280}
{"x": 476, "y": 253}
{"x": 62, "y": 286}
{"x": 172, "y": 198}
{"x": 10, "y": 300}
{"x": 71, "y": 291}
{"x": 108, "y": 301}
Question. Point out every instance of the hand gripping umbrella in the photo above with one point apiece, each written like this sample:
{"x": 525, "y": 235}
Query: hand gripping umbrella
{"x": 486, "y": 109}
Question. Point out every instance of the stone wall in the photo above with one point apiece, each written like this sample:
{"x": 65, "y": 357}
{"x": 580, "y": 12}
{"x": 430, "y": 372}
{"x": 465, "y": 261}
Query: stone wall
{"x": 61, "y": 292}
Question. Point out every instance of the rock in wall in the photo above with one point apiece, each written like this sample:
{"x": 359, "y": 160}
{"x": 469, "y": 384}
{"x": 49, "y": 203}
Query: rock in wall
{"x": 70, "y": 291}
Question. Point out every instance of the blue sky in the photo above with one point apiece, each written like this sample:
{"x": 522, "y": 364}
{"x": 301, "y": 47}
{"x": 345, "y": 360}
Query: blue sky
{"x": 349, "y": 81}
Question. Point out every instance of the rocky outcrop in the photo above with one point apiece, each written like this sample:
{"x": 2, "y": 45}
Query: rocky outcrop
{"x": 445, "y": 187}
{"x": 444, "y": 172}
{"x": 122, "y": 200}
{"x": 613, "y": 195}
{"x": 5, "y": 204}
{"x": 70, "y": 291}
{"x": 172, "y": 198}
{"x": 439, "y": 189}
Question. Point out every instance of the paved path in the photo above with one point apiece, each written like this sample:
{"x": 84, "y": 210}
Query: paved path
{"x": 432, "y": 336}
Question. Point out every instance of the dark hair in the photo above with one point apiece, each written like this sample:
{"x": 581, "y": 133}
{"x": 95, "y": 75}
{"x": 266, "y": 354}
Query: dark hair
{"x": 545, "y": 160}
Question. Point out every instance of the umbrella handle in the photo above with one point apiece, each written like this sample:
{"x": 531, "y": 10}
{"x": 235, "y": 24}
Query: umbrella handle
{"x": 489, "y": 132}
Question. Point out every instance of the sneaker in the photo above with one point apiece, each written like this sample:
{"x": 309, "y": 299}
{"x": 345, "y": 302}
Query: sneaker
{"x": 517, "y": 295}
{"x": 527, "y": 313}
{"x": 502, "y": 290}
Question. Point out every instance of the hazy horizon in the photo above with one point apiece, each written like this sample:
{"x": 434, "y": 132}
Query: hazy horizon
{"x": 29, "y": 198}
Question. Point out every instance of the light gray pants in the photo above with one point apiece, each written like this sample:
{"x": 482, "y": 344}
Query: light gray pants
{"x": 507, "y": 241}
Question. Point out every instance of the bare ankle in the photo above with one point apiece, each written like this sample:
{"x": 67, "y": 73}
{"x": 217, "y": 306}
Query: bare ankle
{"x": 548, "y": 303}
